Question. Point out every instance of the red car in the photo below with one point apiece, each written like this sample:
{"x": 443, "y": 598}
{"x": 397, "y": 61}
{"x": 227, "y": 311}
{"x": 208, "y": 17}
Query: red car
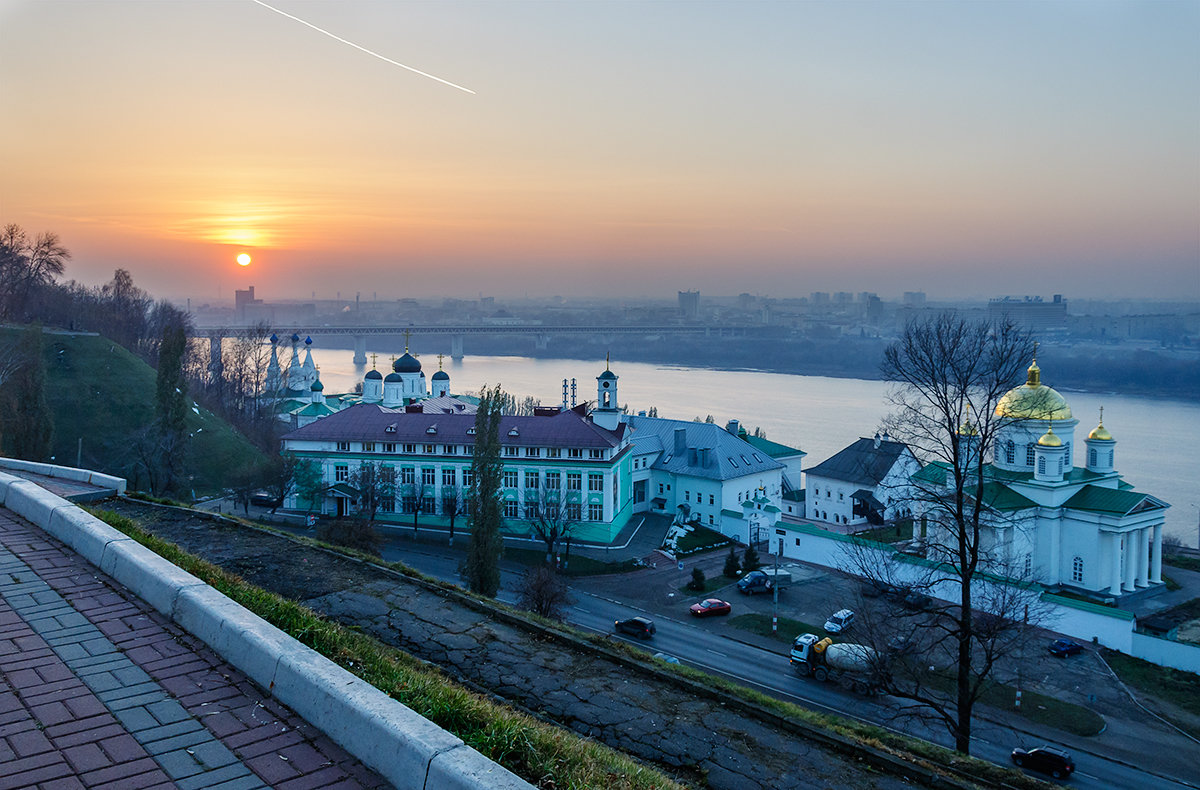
{"x": 710, "y": 607}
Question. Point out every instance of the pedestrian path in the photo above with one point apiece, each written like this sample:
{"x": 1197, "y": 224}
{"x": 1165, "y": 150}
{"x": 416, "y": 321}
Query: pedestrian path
{"x": 98, "y": 690}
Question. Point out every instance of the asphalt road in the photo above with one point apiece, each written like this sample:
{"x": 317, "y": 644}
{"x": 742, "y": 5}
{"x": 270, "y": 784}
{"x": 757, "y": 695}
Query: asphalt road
{"x": 690, "y": 641}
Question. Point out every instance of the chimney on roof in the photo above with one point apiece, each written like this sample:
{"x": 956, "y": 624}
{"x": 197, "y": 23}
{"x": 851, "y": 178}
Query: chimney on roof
{"x": 732, "y": 427}
{"x": 680, "y": 440}
{"x": 692, "y": 456}
{"x": 886, "y": 438}
{"x": 704, "y": 454}
{"x": 877, "y": 440}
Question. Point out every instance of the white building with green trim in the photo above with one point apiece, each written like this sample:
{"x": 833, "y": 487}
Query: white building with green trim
{"x": 1082, "y": 529}
{"x": 578, "y": 458}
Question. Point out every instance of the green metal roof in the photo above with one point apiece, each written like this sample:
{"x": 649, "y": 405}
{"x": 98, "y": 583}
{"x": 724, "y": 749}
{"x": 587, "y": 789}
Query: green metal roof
{"x": 1111, "y": 500}
{"x": 998, "y": 496}
{"x": 773, "y": 449}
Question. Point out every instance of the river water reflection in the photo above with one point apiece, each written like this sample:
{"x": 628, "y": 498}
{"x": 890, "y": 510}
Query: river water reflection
{"x": 1158, "y": 441}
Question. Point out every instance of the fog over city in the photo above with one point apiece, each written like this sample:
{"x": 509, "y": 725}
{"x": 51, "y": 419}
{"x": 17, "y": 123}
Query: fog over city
{"x": 964, "y": 150}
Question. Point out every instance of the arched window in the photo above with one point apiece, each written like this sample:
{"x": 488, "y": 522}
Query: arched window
{"x": 1028, "y": 565}
{"x": 1041, "y": 466}
{"x": 1060, "y": 466}
{"x": 1029, "y": 455}
{"x": 1110, "y": 457}
{"x": 1010, "y": 452}
{"x": 1077, "y": 570}
{"x": 1092, "y": 457}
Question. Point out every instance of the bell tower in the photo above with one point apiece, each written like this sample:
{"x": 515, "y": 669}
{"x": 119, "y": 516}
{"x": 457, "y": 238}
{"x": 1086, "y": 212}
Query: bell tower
{"x": 606, "y": 414}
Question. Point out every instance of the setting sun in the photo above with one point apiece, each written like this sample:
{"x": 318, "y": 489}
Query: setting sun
{"x": 243, "y": 259}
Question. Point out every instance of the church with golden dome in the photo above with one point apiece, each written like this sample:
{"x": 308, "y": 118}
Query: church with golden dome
{"x": 1079, "y": 528}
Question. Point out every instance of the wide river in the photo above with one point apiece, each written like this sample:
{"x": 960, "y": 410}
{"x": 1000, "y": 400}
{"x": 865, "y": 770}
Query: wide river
{"x": 1158, "y": 441}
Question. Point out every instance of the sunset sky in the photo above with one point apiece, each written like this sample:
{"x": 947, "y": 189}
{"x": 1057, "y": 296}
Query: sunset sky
{"x": 610, "y": 148}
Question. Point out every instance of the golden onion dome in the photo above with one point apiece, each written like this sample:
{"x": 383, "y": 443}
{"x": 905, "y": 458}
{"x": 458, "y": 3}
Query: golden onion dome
{"x": 1100, "y": 432}
{"x": 1033, "y": 400}
{"x": 1049, "y": 439}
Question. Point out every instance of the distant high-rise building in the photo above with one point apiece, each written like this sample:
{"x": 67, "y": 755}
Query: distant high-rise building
{"x": 842, "y": 297}
{"x": 1031, "y": 312}
{"x": 866, "y": 296}
{"x": 914, "y": 298}
{"x": 819, "y": 297}
{"x": 689, "y": 304}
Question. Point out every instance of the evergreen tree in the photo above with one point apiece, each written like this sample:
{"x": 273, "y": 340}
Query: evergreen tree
{"x": 28, "y": 425}
{"x": 170, "y": 404}
{"x": 482, "y": 565}
{"x": 697, "y": 582}
{"x": 732, "y": 566}
{"x": 750, "y": 561}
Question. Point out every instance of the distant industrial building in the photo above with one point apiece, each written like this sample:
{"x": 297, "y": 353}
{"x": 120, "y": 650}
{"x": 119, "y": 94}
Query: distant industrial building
{"x": 914, "y": 298}
{"x": 1030, "y": 312}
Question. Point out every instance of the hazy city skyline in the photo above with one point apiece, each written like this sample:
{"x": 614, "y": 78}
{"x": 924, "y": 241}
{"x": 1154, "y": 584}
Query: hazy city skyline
{"x": 961, "y": 149}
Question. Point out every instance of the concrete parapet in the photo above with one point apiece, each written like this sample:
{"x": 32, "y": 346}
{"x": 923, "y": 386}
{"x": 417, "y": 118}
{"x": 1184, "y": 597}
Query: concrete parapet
{"x": 97, "y": 479}
{"x": 386, "y": 735}
{"x": 32, "y": 502}
{"x": 153, "y": 579}
{"x": 405, "y": 748}
{"x": 238, "y": 635}
{"x": 87, "y": 535}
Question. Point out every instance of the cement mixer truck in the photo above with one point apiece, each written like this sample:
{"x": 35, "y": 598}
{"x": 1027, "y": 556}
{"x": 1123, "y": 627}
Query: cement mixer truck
{"x": 855, "y": 667}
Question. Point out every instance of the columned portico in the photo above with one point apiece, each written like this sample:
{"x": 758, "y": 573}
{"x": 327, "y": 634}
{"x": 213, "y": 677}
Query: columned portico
{"x": 1115, "y": 541}
{"x": 1130, "y": 561}
{"x": 1156, "y": 554}
{"x": 1142, "y": 545}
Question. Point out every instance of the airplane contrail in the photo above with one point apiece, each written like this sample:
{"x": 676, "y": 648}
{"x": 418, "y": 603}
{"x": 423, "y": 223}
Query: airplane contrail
{"x": 362, "y": 49}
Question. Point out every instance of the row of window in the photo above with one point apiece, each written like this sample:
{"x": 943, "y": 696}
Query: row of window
{"x": 573, "y": 511}
{"x": 1010, "y": 453}
{"x": 467, "y": 449}
{"x": 408, "y": 476}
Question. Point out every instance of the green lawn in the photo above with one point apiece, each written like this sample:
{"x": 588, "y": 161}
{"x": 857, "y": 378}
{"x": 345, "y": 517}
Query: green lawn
{"x": 577, "y": 565}
{"x": 711, "y": 583}
{"x": 1035, "y": 707}
{"x": 1175, "y": 686}
{"x": 103, "y": 395}
{"x": 789, "y": 629}
{"x": 701, "y": 539}
{"x": 902, "y": 531}
{"x": 1181, "y": 561}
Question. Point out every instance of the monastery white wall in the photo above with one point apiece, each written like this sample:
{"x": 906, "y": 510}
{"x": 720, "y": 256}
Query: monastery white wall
{"x": 1086, "y": 622}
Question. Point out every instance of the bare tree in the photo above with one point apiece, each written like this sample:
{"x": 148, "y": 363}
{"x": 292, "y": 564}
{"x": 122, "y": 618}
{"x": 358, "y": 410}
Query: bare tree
{"x": 376, "y": 487}
{"x": 950, "y": 375}
{"x": 552, "y": 516}
{"x": 454, "y": 504}
{"x": 25, "y": 264}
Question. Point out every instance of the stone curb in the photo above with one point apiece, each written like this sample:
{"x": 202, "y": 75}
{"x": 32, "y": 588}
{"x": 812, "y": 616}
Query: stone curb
{"x": 390, "y": 738}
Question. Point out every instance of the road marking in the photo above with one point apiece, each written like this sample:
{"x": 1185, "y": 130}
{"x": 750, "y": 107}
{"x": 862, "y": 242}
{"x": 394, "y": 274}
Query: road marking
{"x": 722, "y": 655}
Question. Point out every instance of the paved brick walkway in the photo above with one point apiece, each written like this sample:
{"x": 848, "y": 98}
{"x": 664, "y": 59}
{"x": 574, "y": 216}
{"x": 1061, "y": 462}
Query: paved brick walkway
{"x": 98, "y": 690}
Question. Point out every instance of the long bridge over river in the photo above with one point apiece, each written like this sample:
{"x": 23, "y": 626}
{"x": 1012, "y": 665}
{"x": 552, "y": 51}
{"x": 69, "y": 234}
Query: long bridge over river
{"x": 541, "y": 334}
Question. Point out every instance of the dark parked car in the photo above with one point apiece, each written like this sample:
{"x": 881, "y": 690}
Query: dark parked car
{"x": 874, "y": 588}
{"x": 641, "y": 627}
{"x": 917, "y": 601}
{"x": 710, "y": 607}
{"x": 1045, "y": 759}
{"x": 263, "y": 499}
{"x": 1062, "y": 648}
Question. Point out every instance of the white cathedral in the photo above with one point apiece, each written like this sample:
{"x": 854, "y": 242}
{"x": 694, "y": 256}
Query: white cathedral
{"x": 298, "y": 397}
{"x": 1067, "y": 527}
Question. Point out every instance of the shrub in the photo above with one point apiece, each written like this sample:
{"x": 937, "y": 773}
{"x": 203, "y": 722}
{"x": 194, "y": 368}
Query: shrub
{"x": 697, "y": 582}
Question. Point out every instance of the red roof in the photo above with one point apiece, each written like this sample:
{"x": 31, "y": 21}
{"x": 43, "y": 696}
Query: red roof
{"x": 371, "y": 423}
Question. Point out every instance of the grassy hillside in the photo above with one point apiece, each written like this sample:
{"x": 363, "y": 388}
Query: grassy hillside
{"x": 103, "y": 394}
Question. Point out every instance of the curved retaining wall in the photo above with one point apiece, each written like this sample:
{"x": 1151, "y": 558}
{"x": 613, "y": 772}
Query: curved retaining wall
{"x": 405, "y": 748}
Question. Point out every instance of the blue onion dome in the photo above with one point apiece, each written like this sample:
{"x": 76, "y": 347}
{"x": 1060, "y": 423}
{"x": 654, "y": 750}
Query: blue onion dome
{"x": 295, "y": 338}
{"x": 392, "y": 377}
{"x": 441, "y": 375}
{"x": 317, "y": 386}
{"x": 274, "y": 338}
{"x": 308, "y": 341}
{"x": 608, "y": 374}
{"x": 407, "y": 364}
{"x": 374, "y": 375}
